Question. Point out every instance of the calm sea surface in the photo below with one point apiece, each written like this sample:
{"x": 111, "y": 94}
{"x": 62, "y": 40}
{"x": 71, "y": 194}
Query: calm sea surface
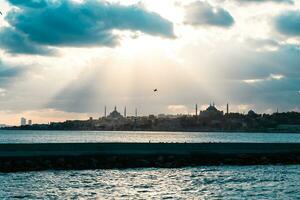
{"x": 130, "y": 136}
{"x": 203, "y": 182}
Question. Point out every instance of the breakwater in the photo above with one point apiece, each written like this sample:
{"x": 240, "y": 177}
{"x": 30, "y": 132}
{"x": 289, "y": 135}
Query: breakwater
{"x": 24, "y": 157}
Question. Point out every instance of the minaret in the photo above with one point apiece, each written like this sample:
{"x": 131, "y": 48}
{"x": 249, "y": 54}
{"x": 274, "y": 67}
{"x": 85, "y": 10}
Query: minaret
{"x": 115, "y": 108}
{"x": 136, "y": 112}
{"x": 125, "y": 111}
{"x": 196, "y": 109}
{"x": 104, "y": 111}
{"x": 227, "y": 109}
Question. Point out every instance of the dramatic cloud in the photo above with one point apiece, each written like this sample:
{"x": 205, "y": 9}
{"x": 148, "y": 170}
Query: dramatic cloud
{"x": 15, "y": 42}
{"x": 266, "y": 75}
{"x": 251, "y": 64}
{"x": 288, "y": 23}
{"x": 201, "y": 13}
{"x": 29, "y": 3}
{"x": 67, "y": 23}
{"x": 262, "y": 44}
{"x": 8, "y": 73}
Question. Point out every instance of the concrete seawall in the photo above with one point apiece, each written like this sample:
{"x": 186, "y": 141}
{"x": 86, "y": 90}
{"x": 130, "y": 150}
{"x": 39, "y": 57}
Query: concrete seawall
{"x": 23, "y": 157}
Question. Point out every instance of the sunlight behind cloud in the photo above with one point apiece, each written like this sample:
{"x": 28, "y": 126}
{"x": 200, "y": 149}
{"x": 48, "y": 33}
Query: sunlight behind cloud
{"x": 190, "y": 64}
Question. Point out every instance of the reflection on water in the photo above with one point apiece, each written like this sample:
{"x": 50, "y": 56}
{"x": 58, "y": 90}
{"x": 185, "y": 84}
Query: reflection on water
{"x": 219, "y": 182}
{"x": 130, "y": 136}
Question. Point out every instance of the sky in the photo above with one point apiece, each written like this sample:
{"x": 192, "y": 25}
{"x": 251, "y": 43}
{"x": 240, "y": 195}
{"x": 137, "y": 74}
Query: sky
{"x": 67, "y": 59}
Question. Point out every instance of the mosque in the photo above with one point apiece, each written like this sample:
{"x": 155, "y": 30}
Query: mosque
{"x": 115, "y": 114}
{"x": 212, "y": 111}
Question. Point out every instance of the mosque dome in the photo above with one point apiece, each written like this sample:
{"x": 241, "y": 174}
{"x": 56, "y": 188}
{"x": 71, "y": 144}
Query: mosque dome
{"x": 251, "y": 113}
{"x": 212, "y": 108}
{"x": 115, "y": 114}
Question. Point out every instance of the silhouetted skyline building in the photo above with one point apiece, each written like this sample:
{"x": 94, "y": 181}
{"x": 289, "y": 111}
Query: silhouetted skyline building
{"x": 227, "y": 109}
{"x": 211, "y": 111}
{"x": 23, "y": 121}
{"x": 251, "y": 113}
{"x": 115, "y": 114}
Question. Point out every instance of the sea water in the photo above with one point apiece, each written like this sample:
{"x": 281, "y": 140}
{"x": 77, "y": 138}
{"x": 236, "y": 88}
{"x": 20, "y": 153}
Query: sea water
{"x": 207, "y": 182}
{"x": 12, "y": 136}
{"x": 203, "y": 182}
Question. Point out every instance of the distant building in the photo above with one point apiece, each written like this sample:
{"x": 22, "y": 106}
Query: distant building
{"x": 30, "y": 122}
{"x": 151, "y": 117}
{"x": 3, "y": 125}
{"x": 211, "y": 111}
{"x": 227, "y": 109}
{"x": 252, "y": 114}
{"x": 164, "y": 116}
{"x": 115, "y": 114}
{"x": 161, "y": 116}
{"x": 23, "y": 121}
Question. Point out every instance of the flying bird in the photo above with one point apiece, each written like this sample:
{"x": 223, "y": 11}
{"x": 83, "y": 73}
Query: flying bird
{"x": 0, "y": 13}
{"x": 155, "y": 90}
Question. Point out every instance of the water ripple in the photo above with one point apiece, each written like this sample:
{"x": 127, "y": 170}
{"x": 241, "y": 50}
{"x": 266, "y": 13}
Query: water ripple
{"x": 223, "y": 182}
{"x": 18, "y": 136}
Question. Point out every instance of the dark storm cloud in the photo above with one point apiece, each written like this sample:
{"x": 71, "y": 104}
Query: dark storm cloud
{"x": 15, "y": 42}
{"x": 66, "y": 23}
{"x": 288, "y": 23}
{"x": 201, "y": 13}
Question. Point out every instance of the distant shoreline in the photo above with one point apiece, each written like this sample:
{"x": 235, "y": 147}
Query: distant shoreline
{"x": 210, "y": 120}
{"x": 192, "y": 131}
